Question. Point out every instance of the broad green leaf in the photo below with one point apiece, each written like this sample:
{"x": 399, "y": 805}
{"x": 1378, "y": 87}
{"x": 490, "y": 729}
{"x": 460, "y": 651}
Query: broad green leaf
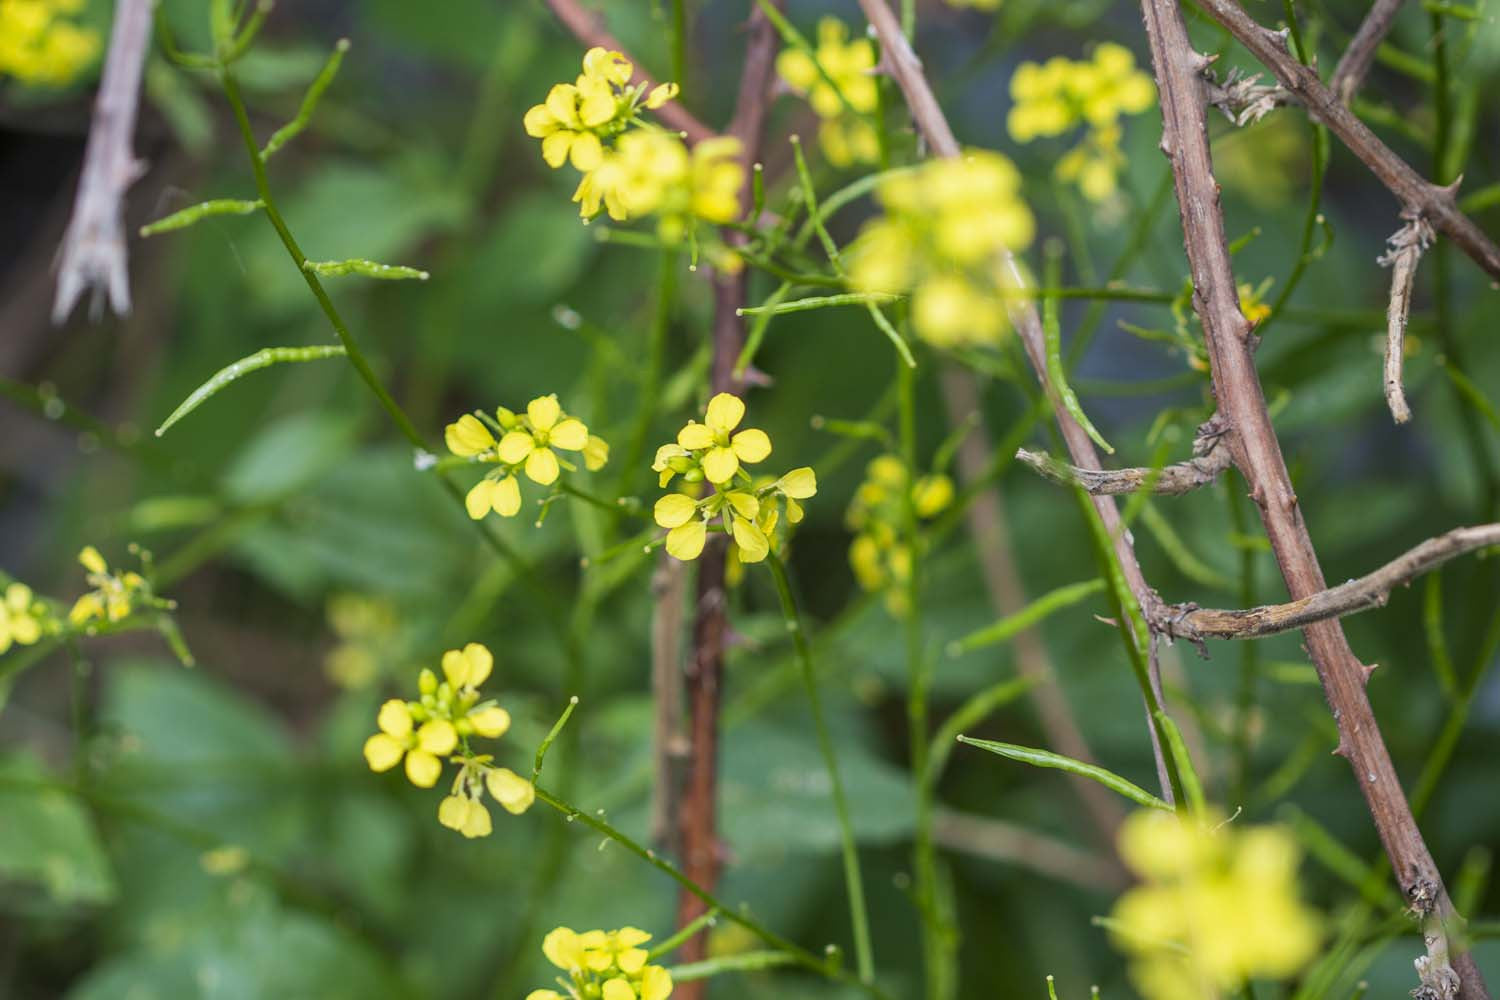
{"x": 47, "y": 837}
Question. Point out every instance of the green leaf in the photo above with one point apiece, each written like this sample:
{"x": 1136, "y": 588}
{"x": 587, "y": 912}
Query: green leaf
{"x": 47, "y": 837}
{"x": 286, "y": 456}
{"x": 260, "y": 359}
{"x": 1046, "y": 758}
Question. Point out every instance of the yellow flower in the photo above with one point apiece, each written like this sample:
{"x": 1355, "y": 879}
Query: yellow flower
{"x": 21, "y": 617}
{"x": 879, "y": 556}
{"x": 576, "y": 118}
{"x": 546, "y": 427}
{"x": 717, "y": 177}
{"x": 1251, "y": 303}
{"x": 39, "y": 47}
{"x": 468, "y": 816}
{"x": 115, "y": 595}
{"x": 838, "y": 79}
{"x": 421, "y": 746}
{"x": 609, "y": 965}
{"x": 366, "y": 628}
{"x": 723, "y": 453}
{"x": 469, "y": 667}
{"x": 1216, "y": 907}
{"x": 595, "y": 453}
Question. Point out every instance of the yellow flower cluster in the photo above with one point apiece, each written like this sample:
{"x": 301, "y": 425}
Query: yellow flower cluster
{"x": 38, "y": 46}
{"x": 515, "y": 443}
{"x": 115, "y": 595}
{"x": 943, "y": 237}
{"x": 1054, "y": 97}
{"x": 608, "y": 965}
{"x": 716, "y": 453}
{"x": 23, "y": 619}
{"x": 631, "y": 168}
{"x": 1215, "y": 908}
{"x": 439, "y": 724}
{"x": 880, "y": 558}
{"x": 838, "y": 80}
{"x": 365, "y": 627}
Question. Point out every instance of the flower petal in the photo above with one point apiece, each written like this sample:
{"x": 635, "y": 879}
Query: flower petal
{"x": 543, "y": 412}
{"x": 618, "y": 988}
{"x": 539, "y": 122}
{"x": 453, "y": 811}
{"x": 752, "y": 542}
{"x": 437, "y": 737}
{"x": 570, "y": 434}
{"x": 514, "y": 793}
{"x": 468, "y": 436}
{"x": 656, "y": 983}
{"x": 752, "y": 445}
{"x": 595, "y": 453}
{"x": 481, "y": 662}
{"x": 720, "y": 465}
{"x": 18, "y": 597}
{"x": 562, "y": 101}
{"x": 456, "y": 668}
{"x": 694, "y": 436}
{"x": 563, "y": 949}
{"x": 685, "y": 542}
{"x": 92, "y": 560}
{"x": 631, "y": 960}
{"x": 491, "y": 723}
{"x": 515, "y": 446}
{"x": 541, "y": 467}
{"x": 674, "y": 510}
{"x": 423, "y": 769}
{"x": 382, "y": 753}
{"x": 725, "y": 411}
{"x": 478, "y": 500}
{"x": 799, "y": 484}
{"x": 587, "y": 152}
{"x": 555, "y": 147}
{"x": 477, "y": 824}
{"x": 744, "y": 504}
{"x": 506, "y": 498}
{"x": 394, "y": 719}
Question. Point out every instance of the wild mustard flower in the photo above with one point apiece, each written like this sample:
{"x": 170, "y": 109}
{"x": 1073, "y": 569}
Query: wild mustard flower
{"x": 715, "y": 452}
{"x": 1055, "y": 97}
{"x": 39, "y": 46}
{"x": 520, "y": 443}
{"x": 946, "y": 227}
{"x": 609, "y": 965}
{"x": 1216, "y": 907}
{"x": 115, "y": 595}
{"x": 838, "y": 79}
{"x": 577, "y": 118}
{"x": 651, "y": 172}
{"x": 441, "y": 722}
{"x": 365, "y": 627}
{"x": 23, "y": 619}
{"x": 880, "y": 557}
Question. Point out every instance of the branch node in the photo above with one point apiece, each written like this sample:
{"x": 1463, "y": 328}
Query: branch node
{"x": 1241, "y": 98}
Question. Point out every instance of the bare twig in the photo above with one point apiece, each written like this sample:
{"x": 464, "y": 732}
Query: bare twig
{"x": 1406, "y": 248}
{"x": 901, "y": 62}
{"x": 1252, "y": 440}
{"x": 1007, "y": 843}
{"x": 587, "y": 29}
{"x": 1354, "y": 64}
{"x": 1435, "y": 203}
{"x": 93, "y": 256}
{"x": 987, "y": 523}
{"x": 1188, "y": 621}
{"x": 1208, "y": 461}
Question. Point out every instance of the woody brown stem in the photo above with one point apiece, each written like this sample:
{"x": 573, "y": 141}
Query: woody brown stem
{"x": 1253, "y": 441}
{"x": 901, "y": 62}
{"x": 1210, "y": 458}
{"x": 1354, "y": 65}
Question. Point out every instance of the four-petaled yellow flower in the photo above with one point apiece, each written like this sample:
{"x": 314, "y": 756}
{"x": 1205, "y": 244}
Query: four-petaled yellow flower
{"x": 1216, "y": 907}
{"x": 114, "y": 595}
{"x": 441, "y": 722}
{"x": 838, "y": 79}
{"x": 1054, "y": 97}
{"x": 947, "y": 227}
{"x": 22, "y": 618}
{"x": 577, "y": 117}
{"x": 715, "y": 452}
{"x": 610, "y": 965}
{"x": 526, "y": 443}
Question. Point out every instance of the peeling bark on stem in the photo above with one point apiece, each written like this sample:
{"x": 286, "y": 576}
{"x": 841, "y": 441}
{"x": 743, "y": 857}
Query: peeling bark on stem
{"x": 1406, "y": 248}
{"x": 1253, "y": 441}
{"x": 1210, "y": 458}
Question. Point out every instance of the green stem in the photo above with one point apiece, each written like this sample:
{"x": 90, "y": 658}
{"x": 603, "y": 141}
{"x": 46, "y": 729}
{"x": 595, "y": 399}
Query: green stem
{"x": 798, "y": 954}
{"x": 858, "y": 916}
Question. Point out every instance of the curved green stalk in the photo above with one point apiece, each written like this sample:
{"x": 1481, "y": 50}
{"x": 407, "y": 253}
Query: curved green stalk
{"x": 263, "y": 358}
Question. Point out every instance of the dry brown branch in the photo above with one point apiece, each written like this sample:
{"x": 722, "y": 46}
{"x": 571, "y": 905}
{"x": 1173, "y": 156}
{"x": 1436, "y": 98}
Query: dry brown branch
{"x": 1243, "y": 99}
{"x": 1007, "y": 843}
{"x": 1252, "y": 440}
{"x": 1208, "y": 461}
{"x": 901, "y": 62}
{"x": 1406, "y": 248}
{"x": 1188, "y": 621}
{"x": 92, "y": 255}
{"x": 1354, "y": 64}
{"x": 987, "y": 523}
{"x": 1435, "y": 203}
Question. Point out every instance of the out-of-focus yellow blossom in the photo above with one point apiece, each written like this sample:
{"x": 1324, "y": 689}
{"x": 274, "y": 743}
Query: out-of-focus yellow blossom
{"x": 23, "y": 618}
{"x": 517, "y": 443}
{"x": 943, "y": 238}
{"x": 1055, "y": 97}
{"x": 838, "y": 80}
{"x": 976, "y": 4}
{"x": 114, "y": 595}
{"x": 1252, "y": 303}
{"x": 38, "y": 46}
{"x": 610, "y": 965}
{"x": 446, "y": 715}
{"x": 652, "y": 172}
{"x": 879, "y": 556}
{"x": 715, "y": 452}
{"x": 365, "y": 627}
{"x": 1216, "y": 907}
{"x": 577, "y": 118}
